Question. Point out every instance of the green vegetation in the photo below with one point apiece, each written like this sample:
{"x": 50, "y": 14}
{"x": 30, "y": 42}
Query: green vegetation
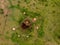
{"x": 20, "y": 40}
{"x": 1, "y": 11}
{"x": 38, "y": 42}
{"x": 44, "y": 19}
{"x": 14, "y": 37}
{"x": 57, "y": 33}
{"x": 28, "y": 31}
{"x": 57, "y": 36}
{"x": 30, "y": 13}
{"x": 27, "y": 1}
{"x": 57, "y": 2}
{"x": 41, "y": 29}
{"x": 43, "y": 0}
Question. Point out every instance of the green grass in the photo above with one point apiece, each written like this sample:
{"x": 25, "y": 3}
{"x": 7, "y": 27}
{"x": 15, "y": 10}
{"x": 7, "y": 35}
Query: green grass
{"x": 38, "y": 42}
{"x": 1, "y": 11}
{"x": 20, "y": 17}
{"x": 41, "y": 29}
{"x": 56, "y": 36}
{"x": 19, "y": 40}
{"x": 27, "y": 1}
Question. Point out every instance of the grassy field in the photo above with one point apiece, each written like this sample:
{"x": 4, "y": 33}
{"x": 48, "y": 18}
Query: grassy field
{"x": 44, "y": 16}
